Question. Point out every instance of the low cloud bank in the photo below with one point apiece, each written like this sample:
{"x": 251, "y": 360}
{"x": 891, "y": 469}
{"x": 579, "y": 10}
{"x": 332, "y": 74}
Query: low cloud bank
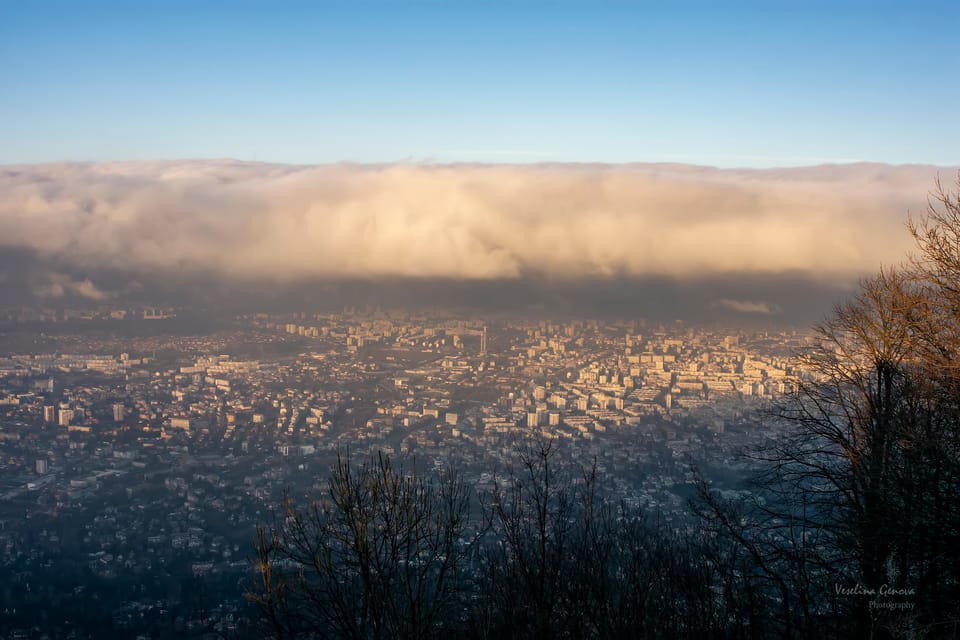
{"x": 551, "y": 223}
{"x": 461, "y": 221}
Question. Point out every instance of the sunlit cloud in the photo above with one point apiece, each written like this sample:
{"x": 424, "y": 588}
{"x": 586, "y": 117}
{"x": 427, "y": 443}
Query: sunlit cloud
{"x": 58, "y": 285}
{"x": 478, "y": 222}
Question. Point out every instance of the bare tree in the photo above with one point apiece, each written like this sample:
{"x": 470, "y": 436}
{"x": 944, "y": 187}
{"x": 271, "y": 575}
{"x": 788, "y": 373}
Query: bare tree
{"x": 382, "y": 555}
{"x": 530, "y": 515}
{"x": 561, "y": 561}
{"x": 934, "y": 448}
{"x": 861, "y": 493}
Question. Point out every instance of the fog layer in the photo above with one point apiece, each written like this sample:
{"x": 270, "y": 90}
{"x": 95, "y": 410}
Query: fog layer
{"x": 100, "y": 229}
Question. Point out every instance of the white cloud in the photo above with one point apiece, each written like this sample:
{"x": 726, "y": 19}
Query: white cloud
{"x": 459, "y": 221}
{"x": 57, "y": 285}
{"x": 748, "y": 306}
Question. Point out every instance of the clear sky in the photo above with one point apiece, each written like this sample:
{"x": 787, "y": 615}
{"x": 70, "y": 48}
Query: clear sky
{"x": 758, "y": 84}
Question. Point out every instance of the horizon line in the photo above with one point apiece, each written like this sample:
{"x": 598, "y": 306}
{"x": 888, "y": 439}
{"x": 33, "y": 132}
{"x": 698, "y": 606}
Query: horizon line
{"x": 427, "y": 162}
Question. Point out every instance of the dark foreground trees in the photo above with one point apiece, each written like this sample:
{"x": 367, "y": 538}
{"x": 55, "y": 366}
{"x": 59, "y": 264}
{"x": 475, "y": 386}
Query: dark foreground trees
{"x": 561, "y": 561}
{"x": 855, "y": 520}
{"x": 387, "y": 554}
{"x": 381, "y": 555}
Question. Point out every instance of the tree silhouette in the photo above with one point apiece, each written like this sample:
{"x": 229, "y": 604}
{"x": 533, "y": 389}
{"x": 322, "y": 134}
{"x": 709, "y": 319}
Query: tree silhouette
{"x": 860, "y": 494}
{"x": 562, "y": 561}
{"x": 382, "y": 555}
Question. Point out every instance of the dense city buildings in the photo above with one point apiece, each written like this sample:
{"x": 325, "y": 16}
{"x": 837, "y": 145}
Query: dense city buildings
{"x": 137, "y": 456}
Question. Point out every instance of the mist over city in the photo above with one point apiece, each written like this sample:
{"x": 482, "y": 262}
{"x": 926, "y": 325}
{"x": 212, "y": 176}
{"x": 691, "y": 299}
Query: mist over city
{"x": 411, "y": 320}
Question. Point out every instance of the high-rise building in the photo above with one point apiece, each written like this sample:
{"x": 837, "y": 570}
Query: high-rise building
{"x": 50, "y": 414}
{"x": 42, "y": 466}
{"x": 118, "y": 412}
{"x": 66, "y": 415}
{"x": 483, "y": 341}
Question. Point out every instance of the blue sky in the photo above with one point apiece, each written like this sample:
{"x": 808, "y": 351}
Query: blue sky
{"x": 726, "y": 84}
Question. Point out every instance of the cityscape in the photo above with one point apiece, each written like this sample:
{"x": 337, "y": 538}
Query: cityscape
{"x": 502, "y": 320}
{"x": 147, "y": 461}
